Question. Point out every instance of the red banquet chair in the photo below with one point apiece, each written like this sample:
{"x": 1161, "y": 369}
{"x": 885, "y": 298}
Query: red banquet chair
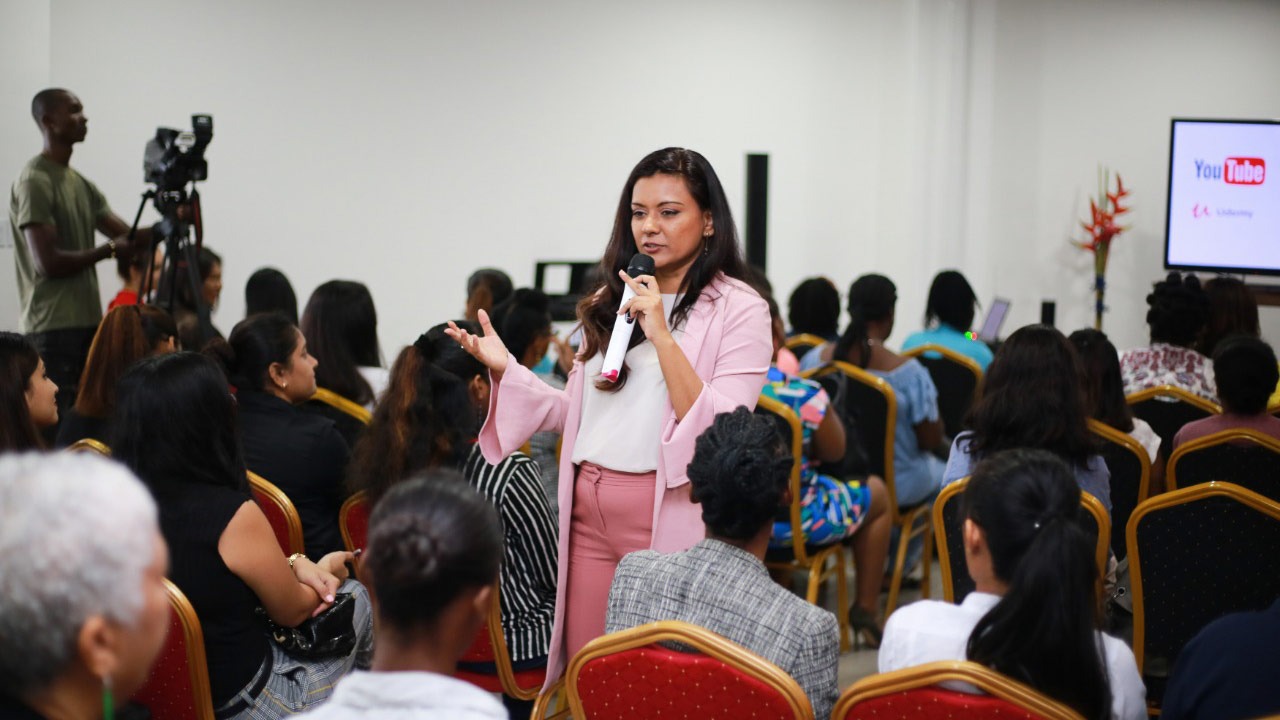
{"x": 630, "y": 674}
{"x": 178, "y": 686}
{"x": 490, "y": 646}
{"x": 280, "y": 512}
{"x": 914, "y": 693}
{"x": 353, "y": 521}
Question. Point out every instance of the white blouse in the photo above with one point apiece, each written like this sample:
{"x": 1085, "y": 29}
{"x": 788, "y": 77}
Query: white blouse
{"x": 930, "y": 630}
{"x": 623, "y": 430}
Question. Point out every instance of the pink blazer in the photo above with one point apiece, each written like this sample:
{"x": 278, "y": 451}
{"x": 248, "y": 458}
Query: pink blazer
{"x": 728, "y": 339}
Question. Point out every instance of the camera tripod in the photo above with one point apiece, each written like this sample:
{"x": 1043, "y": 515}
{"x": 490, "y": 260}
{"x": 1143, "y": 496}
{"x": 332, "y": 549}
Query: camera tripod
{"x": 180, "y": 266}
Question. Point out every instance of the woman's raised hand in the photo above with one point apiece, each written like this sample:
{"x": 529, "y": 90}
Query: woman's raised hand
{"x": 488, "y": 349}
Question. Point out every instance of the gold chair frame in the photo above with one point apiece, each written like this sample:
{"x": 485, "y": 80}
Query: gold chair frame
{"x": 502, "y": 654}
{"x": 812, "y": 341}
{"x": 345, "y": 512}
{"x": 1176, "y": 392}
{"x": 197, "y": 663}
{"x": 276, "y": 496}
{"x": 1169, "y": 499}
{"x": 1221, "y": 437}
{"x": 333, "y": 399}
{"x": 1090, "y": 503}
{"x": 700, "y": 639}
{"x": 985, "y": 679}
{"x": 815, "y": 564}
{"x": 965, "y": 361}
{"x": 1116, "y": 437}
{"x": 90, "y": 445}
{"x": 904, "y": 520}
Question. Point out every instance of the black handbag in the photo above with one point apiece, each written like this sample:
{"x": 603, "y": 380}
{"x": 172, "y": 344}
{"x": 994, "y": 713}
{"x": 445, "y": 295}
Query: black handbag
{"x": 332, "y": 633}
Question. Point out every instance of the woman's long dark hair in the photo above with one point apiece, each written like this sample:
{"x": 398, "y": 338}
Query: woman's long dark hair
{"x": 1043, "y": 632}
{"x": 1101, "y": 379}
{"x": 871, "y": 298}
{"x": 175, "y": 422}
{"x": 255, "y": 343}
{"x": 1031, "y": 398}
{"x": 599, "y": 308}
{"x": 425, "y": 419}
{"x": 18, "y": 362}
{"x": 127, "y": 334}
{"x": 1233, "y": 310}
{"x": 341, "y": 327}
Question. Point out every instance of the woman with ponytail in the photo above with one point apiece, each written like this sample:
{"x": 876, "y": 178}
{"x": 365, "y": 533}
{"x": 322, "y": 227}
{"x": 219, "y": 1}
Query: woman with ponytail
{"x": 271, "y": 373}
{"x": 428, "y": 418}
{"x": 917, "y": 472}
{"x": 1034, "y": 613}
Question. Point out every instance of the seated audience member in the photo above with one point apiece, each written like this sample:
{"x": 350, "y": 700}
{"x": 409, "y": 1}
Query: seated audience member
{"x": 132, "y": 269}
{"x": 1246, "y": 373}
{"x": 28, "y": 398}
{"x": 524, "y": 323}
{"x": 268, "y": 290}
{"x": 429, "y": 418}
{"x": 84, "y": 611}
{"x": 917, "y": 472}
{"x": 432, "y": 562}
{"x": 1233, "y": 310}
{"x": 1032, "y": 398}
{"x": 185, "y": 315}
{"x": 175, "y": 426}
{"x": 1228, "y": 671}
{"x": 127, "y": 334}
{"x": 1177, "y": 312}
{"x": 948, "y": 316}
{"x": 833, "y": 509}
{"x": 267, "y": 363}
{"x": 739, "y": 475}
{"x": 1104, "y": 396}
{"x": 487, "y": 288}
{"x": 341, "y": 327}
{"x": 814, "y": 308}
{"x": 1033, "y": 614}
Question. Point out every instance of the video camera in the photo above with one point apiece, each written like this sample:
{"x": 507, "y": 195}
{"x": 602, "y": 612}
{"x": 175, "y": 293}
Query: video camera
{"x": 174, "y": 158}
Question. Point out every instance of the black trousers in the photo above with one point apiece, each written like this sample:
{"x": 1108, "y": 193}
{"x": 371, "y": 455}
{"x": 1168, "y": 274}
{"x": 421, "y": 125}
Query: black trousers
{"x": 64, "y": 353}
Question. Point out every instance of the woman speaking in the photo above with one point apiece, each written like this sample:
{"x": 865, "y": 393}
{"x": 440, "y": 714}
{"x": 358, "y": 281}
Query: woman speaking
{"x": 703, "y": 349}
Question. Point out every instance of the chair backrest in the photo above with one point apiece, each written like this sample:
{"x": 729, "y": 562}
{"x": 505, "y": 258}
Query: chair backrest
{"x": 792, "y": 432}
{"x": 1242, "y": 456}
{"x": 353, "y": 521}
{"x": 958, "y": 379}
{"x": 949, "y": 537}
{"x": 1130, "y": 468}
{"x": 709, "y": 678}
{"x": 802, "y": 343}
{"x": 178, "y": 686}
{"x": 90, "y": 445}
{"x": 490, "y": 647}
{"x": 280, "y": 512}
{"x": 874, "y": 406}
{"x": 333, "y": 399}
{"x": 1195, "y": 555}
{"x": 1167, "y": 408}
{"x": 914, "y": 693}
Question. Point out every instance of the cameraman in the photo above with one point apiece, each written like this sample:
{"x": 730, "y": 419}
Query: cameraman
{"x": 53, "y": 211}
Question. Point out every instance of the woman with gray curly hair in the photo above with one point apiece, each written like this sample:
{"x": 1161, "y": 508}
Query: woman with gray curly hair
{"x": 84, "y": 611}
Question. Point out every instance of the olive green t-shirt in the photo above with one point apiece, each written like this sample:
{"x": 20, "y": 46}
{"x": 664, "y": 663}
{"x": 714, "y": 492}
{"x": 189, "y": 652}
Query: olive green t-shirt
{"x": 47, "y": 193}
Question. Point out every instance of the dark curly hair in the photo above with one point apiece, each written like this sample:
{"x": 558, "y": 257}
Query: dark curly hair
{"x": 739, "y": 474}
{"x": 430, "y": 539}
{"x": 814, "y": 308}
{"x": 1245, "y": 370}
{"x": 1178, "y": 310}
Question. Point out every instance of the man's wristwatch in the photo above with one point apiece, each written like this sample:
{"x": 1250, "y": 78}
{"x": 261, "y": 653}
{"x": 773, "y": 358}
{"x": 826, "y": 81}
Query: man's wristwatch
{"x": 111, "y": 245}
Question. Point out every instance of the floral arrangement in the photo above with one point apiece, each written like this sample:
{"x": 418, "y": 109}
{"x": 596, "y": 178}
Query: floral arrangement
{"x": 1100, "y": 230}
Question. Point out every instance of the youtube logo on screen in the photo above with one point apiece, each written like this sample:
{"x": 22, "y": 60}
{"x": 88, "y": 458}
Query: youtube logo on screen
{"x": 1245, "y": 171}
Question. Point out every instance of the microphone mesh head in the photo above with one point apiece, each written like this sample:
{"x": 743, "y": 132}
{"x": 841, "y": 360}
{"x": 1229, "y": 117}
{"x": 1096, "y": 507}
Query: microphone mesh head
{"x": 640, "y": 264}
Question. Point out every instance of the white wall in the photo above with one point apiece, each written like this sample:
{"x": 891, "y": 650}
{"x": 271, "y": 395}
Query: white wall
{"x": 405, "y": 143}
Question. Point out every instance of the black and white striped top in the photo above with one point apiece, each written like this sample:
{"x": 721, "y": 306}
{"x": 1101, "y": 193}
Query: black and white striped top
{"x": 528, "y": 577}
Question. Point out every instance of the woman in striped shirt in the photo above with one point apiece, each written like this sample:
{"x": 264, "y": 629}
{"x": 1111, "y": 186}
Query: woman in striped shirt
{"x": 434, "y": 405}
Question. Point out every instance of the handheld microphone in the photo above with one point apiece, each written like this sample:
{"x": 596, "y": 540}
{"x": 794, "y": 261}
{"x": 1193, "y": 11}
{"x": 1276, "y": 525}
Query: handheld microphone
{"x": 640, "y": 264}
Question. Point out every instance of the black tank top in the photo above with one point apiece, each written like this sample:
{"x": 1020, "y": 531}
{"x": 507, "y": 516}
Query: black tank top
{"x": 193, "y": 517}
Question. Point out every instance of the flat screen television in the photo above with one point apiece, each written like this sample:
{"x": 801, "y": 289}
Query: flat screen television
{"x": 1224, "y": 205}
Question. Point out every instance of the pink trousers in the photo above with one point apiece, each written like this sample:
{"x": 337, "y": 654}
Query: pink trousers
{"x": 612, "y": 516}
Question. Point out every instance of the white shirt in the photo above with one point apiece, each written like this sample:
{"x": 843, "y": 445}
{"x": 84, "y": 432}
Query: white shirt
{"x": 408, "y": 696}
{"x": 623, "y": 430}
{"x": 930, "y": 630}
{"x": 1146, "y": 437}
